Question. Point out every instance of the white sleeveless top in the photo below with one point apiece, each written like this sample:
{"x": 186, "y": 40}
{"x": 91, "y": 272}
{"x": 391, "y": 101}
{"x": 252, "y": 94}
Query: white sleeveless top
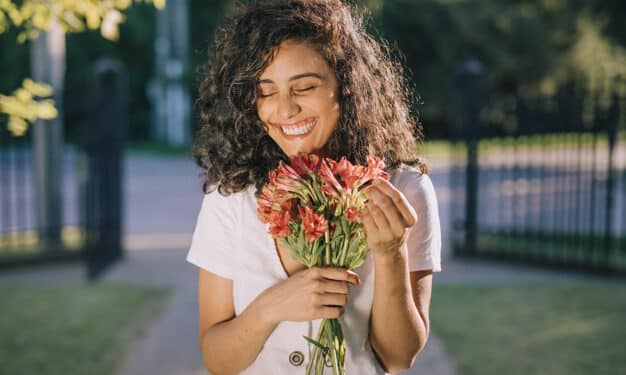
{"x": 230, "y": 241}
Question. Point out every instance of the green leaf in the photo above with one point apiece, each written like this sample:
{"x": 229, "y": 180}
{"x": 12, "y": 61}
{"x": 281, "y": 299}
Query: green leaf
{"x": 322, "y": 347}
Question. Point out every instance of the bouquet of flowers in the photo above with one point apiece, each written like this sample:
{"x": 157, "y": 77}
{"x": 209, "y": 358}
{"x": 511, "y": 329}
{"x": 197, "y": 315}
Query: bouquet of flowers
{"x": 314, "y": 206}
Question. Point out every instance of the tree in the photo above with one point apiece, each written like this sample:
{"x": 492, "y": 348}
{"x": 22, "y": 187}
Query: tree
{"x": 529, "y": 48}
{"x": 31, "y": 101}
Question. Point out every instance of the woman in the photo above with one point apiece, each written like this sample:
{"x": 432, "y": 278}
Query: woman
{"x": 292, "y": 76}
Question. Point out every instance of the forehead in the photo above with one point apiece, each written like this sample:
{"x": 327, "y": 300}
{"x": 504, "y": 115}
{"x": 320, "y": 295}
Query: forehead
{"x": 292, "y": 58}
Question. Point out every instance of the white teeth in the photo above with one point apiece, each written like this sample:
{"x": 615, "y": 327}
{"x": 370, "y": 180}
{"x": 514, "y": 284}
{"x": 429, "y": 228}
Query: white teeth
{"x": 298, "y": 130}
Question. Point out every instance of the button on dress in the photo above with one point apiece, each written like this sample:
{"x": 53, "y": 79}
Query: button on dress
{"x": 230, "y": 241}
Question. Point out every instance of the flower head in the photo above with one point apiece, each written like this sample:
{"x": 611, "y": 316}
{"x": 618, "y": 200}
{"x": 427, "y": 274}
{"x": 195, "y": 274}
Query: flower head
{"x": 305, "y": 164}
{"x": 349, "y": 173}
{"x": 315, "y": 225}
{"x": 279, "y": 220}
{"x": 330, "y": 185}
{"x": 353, "y": 214}
{"x": 375, "y": 168}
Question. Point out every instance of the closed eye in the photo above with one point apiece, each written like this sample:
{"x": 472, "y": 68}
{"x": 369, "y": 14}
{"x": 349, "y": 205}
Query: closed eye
{"x": 305, "y": 89}
{"x": 261, "y": 95}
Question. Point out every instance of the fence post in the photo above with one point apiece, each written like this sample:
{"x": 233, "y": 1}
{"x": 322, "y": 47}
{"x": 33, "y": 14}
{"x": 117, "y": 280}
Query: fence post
{"x": 48, "y": 65}
{"x": 469, "y": 83}
{"x": 612, "y": 124}
{"x": 104, "y": 132}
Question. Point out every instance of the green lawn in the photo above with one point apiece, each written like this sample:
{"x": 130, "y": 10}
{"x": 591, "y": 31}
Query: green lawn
{"x": 71, "y": 328}
{"x": 583, "y": 248}
{"x": 538, "y": 328}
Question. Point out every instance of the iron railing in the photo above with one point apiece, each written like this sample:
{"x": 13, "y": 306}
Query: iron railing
{"x": 545, "y": 184}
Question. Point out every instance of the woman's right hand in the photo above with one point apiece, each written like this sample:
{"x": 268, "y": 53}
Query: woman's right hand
{"x": 313, "y": 293}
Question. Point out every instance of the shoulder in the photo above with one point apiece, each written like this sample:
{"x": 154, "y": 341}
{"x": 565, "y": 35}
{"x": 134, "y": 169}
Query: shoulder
{"x": 414, "y": 184}
{"x": 226, "y": 208}
{"x": 216, "y": 199}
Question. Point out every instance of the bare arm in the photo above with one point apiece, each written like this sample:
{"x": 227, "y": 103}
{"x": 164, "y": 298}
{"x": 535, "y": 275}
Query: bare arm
{"x": 400, "y": 322}
{"x": 230, "y": 343}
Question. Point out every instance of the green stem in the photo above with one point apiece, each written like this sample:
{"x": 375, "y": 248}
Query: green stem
{"x": 344, "y": 250}
{"x": 327, "y": 244}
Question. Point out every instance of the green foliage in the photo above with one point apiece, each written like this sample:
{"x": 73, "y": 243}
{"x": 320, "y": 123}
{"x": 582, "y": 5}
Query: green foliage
{"x": 23, "y": 106}
{"x": 528, "y": 48}
{"x": 72, "y": 16}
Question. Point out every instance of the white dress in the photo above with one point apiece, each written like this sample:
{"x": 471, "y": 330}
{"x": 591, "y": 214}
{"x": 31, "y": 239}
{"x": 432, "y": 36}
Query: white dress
{"x": 230, "y": 241}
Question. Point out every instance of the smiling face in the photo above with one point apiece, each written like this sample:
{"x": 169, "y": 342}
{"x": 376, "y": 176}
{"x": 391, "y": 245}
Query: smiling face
{"x": 297, "y": 99}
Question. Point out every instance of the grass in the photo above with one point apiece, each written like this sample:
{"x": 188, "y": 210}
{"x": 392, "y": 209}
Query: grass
{"x": 71, "y": 329}
{"x": 587, "y": 249}
{"x": 547, "y": 329}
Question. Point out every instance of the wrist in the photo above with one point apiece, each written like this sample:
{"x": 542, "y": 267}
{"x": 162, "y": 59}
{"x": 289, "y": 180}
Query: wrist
{"x": 263, "y": 310}
{"x": 396, "y": 255}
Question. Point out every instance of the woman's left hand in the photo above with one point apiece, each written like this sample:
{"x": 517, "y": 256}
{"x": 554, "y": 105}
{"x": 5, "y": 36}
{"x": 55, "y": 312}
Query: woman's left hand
{"x": 387, "y": 218}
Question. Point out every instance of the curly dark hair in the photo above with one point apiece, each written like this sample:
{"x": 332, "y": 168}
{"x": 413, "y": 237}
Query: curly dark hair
{"x": 232, "y": 144}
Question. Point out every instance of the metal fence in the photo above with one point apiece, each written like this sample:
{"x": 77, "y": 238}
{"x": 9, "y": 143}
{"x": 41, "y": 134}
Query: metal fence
{"x": 545, "y": 184}
{"x": 22, "y": 239}
{"x": 87, "y": 217}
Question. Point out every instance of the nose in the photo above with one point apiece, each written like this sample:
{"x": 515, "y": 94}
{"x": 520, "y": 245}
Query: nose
{"x": 287, "y": 106}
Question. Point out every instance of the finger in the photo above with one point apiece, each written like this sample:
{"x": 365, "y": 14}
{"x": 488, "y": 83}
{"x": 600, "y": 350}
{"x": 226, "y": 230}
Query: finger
{"x": 368, "y": 221}
{"x": 378, "y": 216}
{"x": 329, "y": 312}
{"x": 341, "y": 274}
{"x": 399, "y": 200}
{"x": 333, "y": 286}
{"x": 333, "y": 299}
{"x": 396, "y": 222}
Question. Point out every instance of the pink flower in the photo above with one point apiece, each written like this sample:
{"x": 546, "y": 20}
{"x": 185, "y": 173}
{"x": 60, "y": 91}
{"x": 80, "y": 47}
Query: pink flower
{"x": 305, "y": 164}
{"x": 279, "y": 220}
{"x": 353, "y": 214}
{"x": 286, "y": 179}
{"x": 264, "y": 213}
{"x": 287, "y": 171}
{"x": 349, "y": 173}
{"x": 330, "y": 185}
{"x": 375, "y": 168}
{"x": 315, "y": 225}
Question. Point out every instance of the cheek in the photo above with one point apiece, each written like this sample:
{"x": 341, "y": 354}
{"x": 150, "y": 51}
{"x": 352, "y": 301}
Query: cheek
{"x": 261, "y": 110}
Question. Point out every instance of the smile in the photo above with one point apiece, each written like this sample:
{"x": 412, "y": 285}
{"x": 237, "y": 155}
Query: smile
{"x": 298, "y": 129}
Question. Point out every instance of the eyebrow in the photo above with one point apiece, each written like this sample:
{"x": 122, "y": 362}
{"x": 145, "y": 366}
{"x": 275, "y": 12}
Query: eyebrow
{"x": 297, "y": 76}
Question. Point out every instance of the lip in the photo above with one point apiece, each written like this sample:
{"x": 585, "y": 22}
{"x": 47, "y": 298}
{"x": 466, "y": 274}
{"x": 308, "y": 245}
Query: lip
{"x": 297, "y": 136}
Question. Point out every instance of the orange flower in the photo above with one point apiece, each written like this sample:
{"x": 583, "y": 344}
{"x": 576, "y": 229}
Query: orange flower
{"x": 279, "y": 221}
{"x": 375, "y": 168}
{"x": 353, "y": 214}
{"x": 349, "y": 173}
{"x": 305, "y": 164}
{"x": 314, "y": 225}
{"x": 330, "y": 185}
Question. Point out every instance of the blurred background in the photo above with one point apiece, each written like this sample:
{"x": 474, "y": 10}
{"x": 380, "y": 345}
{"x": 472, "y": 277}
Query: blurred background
{"x": 523, "y": 105}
